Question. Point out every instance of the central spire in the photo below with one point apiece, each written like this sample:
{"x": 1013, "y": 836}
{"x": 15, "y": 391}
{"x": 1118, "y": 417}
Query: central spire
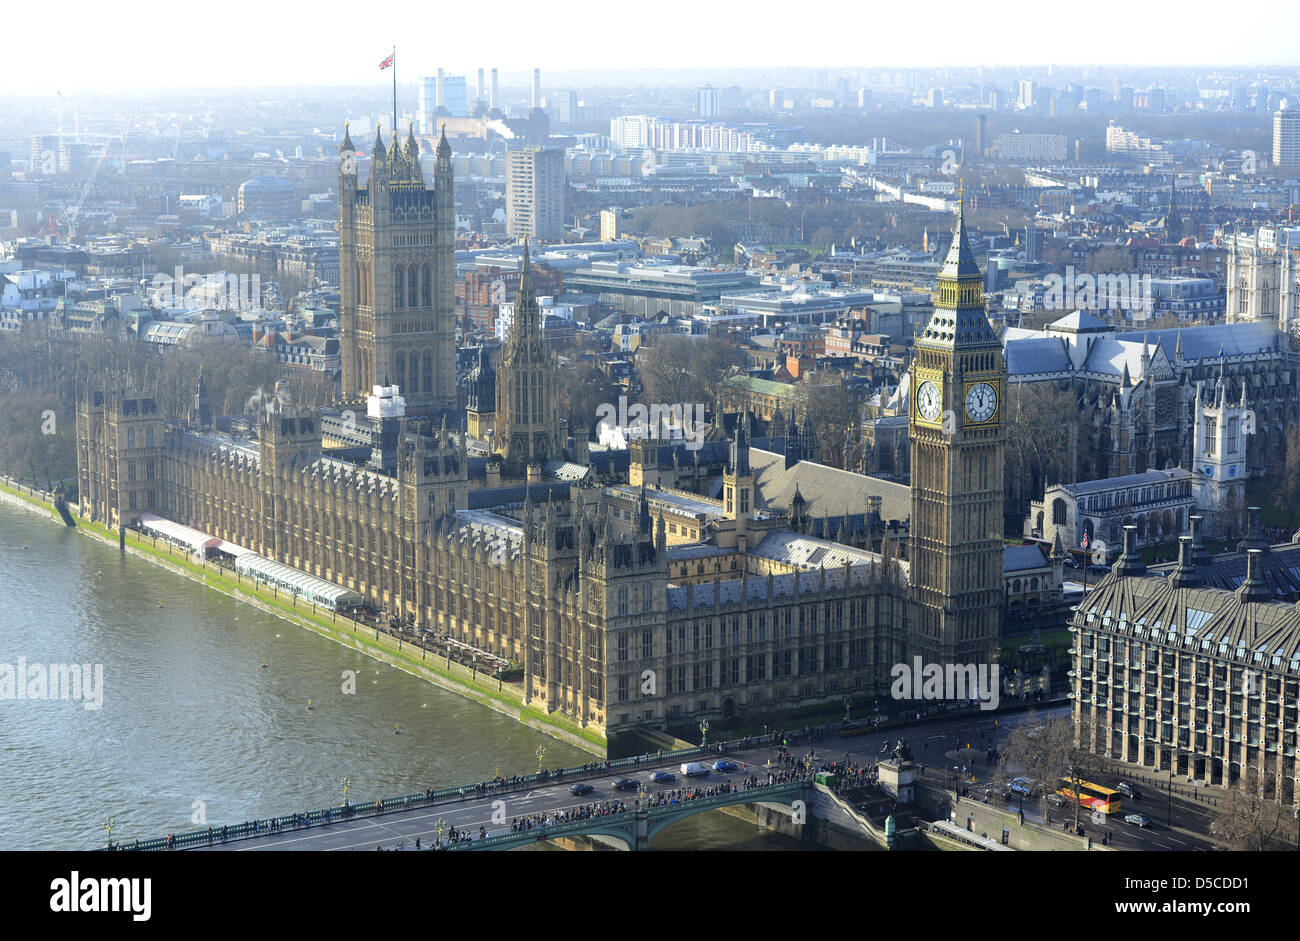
{"x": 960, "y": 262}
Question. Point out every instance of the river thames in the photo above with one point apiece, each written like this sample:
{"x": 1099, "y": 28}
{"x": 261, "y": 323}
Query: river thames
{"x": 193, "y": 725}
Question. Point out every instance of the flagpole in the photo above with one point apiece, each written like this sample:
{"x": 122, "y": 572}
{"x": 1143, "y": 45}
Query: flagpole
{"x": 394, "y": 92}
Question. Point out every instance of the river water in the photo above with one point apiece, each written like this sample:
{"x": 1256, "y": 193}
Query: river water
{"x": 194, "y": 727}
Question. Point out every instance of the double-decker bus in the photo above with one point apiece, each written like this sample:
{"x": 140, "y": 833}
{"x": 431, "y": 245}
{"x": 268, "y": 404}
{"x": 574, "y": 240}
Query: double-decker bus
{"x": 1091, "y": 796}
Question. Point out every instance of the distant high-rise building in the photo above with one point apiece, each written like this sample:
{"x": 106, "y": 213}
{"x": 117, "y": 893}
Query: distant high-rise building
{"x": 865, "y": 98}
{"x": 1286, "y": 136}
{"x": 1026, "y": 98}
{"x": 455, "y": 94}
{"x": 1033, "y": 245}
{"x": 563, "y": 107}
{"x": 535, "y": 193}
{"x": 610, "y": 228}
{"x": 428, "y": 103}
{"x": 1092, "y": 101}
{"x": 709, "y": 102}
{"x": 981, "y": 129}
{"x": 44, "y": 158}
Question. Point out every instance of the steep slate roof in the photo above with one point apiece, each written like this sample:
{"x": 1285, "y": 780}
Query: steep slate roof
{"x": 828, "y": 491}
{"x": 1037, "y": 355}
{"x": 1079, "y": 322}
{"x": 1234, "y": 339}
{"x": 1023, "y": 558}
{"x": 1154, "y": 609}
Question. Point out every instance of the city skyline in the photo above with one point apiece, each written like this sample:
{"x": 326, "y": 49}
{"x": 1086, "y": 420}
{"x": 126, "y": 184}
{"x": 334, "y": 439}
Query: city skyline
{"x": 320, "y": 54}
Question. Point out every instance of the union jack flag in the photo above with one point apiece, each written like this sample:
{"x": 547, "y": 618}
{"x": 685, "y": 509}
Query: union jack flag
{"x": 1084, "y": 543}
{"x": 387, "y": 62}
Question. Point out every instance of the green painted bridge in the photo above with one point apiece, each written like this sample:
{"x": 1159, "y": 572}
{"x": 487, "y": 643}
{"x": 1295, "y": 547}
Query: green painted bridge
{"x": 636, "y": 828}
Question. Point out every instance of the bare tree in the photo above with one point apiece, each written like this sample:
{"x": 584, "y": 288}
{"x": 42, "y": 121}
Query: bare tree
{"x": 1255, "y": 816}
{"x": 1287, "y": 495}
{"x": 1051, "y": 754}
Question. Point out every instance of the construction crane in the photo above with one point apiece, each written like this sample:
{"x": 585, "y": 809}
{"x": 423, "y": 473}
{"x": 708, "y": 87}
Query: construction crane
{"x": 85, "y": 190}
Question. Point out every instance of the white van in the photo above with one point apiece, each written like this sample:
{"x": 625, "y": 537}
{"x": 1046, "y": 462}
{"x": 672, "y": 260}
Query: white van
{"x": 695, "y": 769}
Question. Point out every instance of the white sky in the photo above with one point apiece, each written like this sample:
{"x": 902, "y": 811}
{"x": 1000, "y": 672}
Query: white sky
{"x": 134, "y": 44}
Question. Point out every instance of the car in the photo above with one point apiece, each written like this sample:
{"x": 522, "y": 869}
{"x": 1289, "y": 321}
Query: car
{"x": 1056, "y": 800}
{"x": 1138, "y": 820}
{"x": 695, "y": 769}
{"x": 580, "y": 789}
{"x": 663, "y": 777}
{"x": 625, "y": 784}
{"x": 1128, "y": 790}
{"x": 1022, "y": 786}
{"x": 723, "y": 766}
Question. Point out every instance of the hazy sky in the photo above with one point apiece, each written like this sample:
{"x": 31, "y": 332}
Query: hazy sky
{"x": 133, "y": 44}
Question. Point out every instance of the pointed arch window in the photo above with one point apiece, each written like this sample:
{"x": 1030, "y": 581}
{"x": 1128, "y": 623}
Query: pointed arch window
{"x": 399, "y": 301}
{"x": 412, "y": 283}
{"x": 426, "y": 288}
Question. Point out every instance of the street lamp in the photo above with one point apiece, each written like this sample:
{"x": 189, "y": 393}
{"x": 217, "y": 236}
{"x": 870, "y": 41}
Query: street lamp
{"x": 346, "y": 785}
{"x": 704, "y": 732}
{"x": 440, "y": 827}
{"x": 541, "y": 753}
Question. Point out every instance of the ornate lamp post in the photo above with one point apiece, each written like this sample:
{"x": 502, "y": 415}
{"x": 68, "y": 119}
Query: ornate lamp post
{"x": 704, "y": 732}
{"x": 440, "y": 827}
{"x": 541, "y": 753}
{"x": 346, "y": 785}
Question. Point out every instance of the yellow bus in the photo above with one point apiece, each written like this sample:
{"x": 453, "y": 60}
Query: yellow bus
{"x": 1091, "y": 796}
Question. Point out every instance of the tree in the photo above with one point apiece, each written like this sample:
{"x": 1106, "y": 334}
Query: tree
{"x": 1255, "y": 816}
{"x": 1287, "y": 496}
{"x": 680, "y": 369}
{"x": 583, "y": 388}
{"x": 1049, "y": 755}
{"x": 833, "y": 412}
{"x": 1047, "y": 442}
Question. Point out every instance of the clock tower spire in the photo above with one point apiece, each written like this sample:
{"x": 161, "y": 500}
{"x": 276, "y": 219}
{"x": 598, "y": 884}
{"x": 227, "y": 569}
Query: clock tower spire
{"x": 958, "y": 446}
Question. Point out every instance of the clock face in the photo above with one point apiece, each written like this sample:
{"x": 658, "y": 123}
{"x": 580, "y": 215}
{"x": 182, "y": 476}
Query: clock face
{"x": 928, "y": 401}
{"x": 981, "y": 402}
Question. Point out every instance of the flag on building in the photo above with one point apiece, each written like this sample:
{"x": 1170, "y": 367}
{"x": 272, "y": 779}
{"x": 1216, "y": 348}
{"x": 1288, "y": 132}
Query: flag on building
{"x": 387, "y": 62}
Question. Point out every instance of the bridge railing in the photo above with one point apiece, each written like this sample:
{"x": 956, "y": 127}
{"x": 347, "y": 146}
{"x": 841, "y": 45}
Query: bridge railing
{"x": 587, "y": 824}
{"x": 479, "y": 789}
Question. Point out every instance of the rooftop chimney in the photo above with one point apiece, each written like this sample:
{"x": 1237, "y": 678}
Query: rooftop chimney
{"x": 1130, "y": 561}
{"x": 1186, "y": 575}
{"x": 1254, "y": 587}
{"x": 1255, "y": 533}
{"x": 1200, "y": 555}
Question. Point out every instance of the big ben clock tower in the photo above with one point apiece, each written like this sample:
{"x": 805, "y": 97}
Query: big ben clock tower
{"x": 958, "y": 442}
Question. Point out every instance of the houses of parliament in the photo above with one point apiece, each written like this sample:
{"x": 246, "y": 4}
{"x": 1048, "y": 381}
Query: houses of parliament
{"x": 625, "y": 605}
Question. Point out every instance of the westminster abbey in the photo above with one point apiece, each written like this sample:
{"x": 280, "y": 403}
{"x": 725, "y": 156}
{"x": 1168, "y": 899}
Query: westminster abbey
{"x": 506, "y": 541}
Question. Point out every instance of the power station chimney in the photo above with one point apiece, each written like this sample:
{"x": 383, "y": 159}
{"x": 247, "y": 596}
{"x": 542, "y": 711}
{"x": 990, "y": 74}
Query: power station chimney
{"x": 481, "y": 89}
{"x": 437, "y": 94}
{"x": 537, "y": 89}
{"x": 492, "y": 100}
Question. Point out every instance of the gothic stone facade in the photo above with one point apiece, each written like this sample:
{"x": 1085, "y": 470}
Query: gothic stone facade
{"x": 605, "y": 636}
